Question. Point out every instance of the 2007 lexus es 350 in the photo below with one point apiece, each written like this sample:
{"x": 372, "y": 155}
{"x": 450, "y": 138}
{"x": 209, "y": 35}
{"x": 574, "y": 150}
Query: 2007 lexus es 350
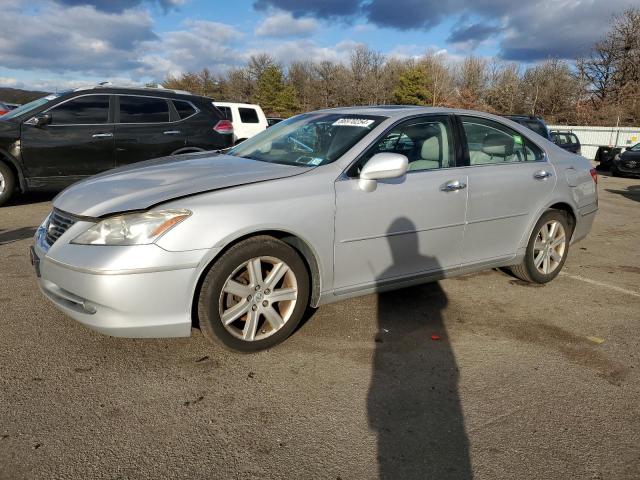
{"x": 321, "y": 207}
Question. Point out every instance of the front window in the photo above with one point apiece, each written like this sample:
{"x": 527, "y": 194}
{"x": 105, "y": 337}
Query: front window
{"x": 308, "y": 140}
{"x": 27, "y": 107}
{"x": 85, "y": 110}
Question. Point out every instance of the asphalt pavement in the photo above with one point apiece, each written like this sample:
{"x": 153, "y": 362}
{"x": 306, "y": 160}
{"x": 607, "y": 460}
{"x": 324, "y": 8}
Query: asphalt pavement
{"x": 482, "y": 376}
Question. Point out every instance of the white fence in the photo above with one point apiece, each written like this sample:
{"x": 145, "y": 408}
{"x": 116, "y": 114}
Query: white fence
{"x": 593, "y": 137}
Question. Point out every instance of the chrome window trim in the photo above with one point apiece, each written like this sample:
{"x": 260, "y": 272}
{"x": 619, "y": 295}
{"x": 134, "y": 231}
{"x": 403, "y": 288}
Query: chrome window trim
{"x": 32, "y": 119}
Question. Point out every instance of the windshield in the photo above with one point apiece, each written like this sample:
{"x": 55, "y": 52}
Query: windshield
{"x": 311, "y": 139}
{"x": 16, "y": 112}
{"x": 635, "y": 148}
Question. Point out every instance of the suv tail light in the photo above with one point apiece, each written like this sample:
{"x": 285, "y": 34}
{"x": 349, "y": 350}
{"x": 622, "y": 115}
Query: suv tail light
{"x": 594, "y": 175}
{"x": 224, "y": 126}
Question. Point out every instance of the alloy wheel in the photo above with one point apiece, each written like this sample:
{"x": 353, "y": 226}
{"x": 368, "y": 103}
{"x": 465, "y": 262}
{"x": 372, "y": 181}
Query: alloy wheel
{"x": 258, "y": 298}
{"x": 549, "y": 247}
{"x": 3, "y": 183}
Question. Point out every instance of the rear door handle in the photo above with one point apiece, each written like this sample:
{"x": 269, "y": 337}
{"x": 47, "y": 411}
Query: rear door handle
{"x": 172, "y": 132}
{"x": 542, "y": 174}
{"x": 453, "y": 186}
{"x": 102, "y": 135}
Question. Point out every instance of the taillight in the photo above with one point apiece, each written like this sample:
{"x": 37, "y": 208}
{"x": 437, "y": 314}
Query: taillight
{"x": 594, "y": 175}
{"x": 224, "y": 126}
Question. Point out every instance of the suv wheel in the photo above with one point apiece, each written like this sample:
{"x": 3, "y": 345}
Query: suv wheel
{"x": 7, "y": 183}
{"x": 547, "y": 249}
{"x": 255, "y": 295}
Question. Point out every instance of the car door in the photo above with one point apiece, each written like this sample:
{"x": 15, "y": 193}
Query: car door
{"x": 509, "y": 181}
{"x": 144, "y": 129}
{"x": 76, "y": 143}
{"x": 408, "y": 226}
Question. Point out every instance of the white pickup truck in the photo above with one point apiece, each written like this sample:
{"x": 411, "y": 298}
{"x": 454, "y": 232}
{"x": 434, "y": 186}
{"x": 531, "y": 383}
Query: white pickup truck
{"x": 248, "y": 120}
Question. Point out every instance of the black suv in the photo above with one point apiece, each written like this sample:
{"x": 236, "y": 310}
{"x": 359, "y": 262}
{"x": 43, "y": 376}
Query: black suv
{"x": 532, "y": 123}
{"x": 59, "y": 139}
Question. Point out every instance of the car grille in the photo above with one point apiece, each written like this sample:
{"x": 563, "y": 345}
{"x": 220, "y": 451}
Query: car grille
{"x": 632, "y": 164}
{"x": 59, "y": 222}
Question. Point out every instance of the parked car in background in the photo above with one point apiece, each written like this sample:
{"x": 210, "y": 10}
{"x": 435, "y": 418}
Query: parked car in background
{"x": 59, "y": 139}
{"x": 271, "y": 121}
{"x": 318, "y": 208}
{"x": 4, "y": 108}
{"x": 532, "y": 123}
{"x": 248, "y": 119}
{"x": 605, "y": 155}
{"x": 566, "y": 140}
{"x": 627, "y": 162}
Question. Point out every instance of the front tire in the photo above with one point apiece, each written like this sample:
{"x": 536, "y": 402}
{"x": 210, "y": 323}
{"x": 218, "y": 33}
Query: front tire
{"x": 254, "y": 296}
{"x": 547, "y": 249}
{"x": 615, "y": 172}
{"x": 7, "y": 183}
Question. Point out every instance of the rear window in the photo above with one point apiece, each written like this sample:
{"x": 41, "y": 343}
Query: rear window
{"x": 143, "y": 110}
{"x": 185, "y": 109}
{"x": 226, "y": 112}
{"x": 573, "y": 139}
{"x": 248, "y": 115}
{"x": 536, "y": 127}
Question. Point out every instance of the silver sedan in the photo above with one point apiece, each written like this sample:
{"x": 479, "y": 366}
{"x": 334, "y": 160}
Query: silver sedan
{"x": 318, "y": 208}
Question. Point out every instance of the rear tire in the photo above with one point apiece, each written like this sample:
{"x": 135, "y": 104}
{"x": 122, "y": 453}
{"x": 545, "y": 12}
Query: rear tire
{"x": 547, "y": 249}
{"x": 7, "y": 183}
{"x": 254, "y": 296}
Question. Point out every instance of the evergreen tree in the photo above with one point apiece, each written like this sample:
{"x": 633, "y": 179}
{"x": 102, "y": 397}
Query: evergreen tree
{"x": 412, "y": 87}
{"x": 273, "y": 95}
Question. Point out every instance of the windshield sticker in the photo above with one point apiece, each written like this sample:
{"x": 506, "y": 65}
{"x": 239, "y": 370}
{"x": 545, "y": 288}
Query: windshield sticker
{"x": 517, "y": 139}
{"x": 353, "y": 122}
{"x": 315, "y": 161}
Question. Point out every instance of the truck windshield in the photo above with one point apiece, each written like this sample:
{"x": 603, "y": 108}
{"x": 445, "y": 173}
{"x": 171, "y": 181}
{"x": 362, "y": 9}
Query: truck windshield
{"x": 309, "y": 140}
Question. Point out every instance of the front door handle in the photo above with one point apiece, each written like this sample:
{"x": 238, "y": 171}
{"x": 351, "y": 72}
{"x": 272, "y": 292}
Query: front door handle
{"x": 453, "y": 186}
{"x": 172, "y": 132}
{"x": 542, "y": 174}
{"x": 102, "y": 135}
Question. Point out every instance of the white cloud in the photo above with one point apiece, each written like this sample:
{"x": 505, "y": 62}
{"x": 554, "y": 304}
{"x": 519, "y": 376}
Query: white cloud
{"x": 80, "y": 39}
{"x": 201, "y": 44}
{"x": 283, "y": 24}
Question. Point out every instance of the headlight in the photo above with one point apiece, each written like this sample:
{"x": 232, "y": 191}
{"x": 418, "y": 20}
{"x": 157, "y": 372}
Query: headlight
{"x": 132, "y": 229}
{"x": 617, "y": 157}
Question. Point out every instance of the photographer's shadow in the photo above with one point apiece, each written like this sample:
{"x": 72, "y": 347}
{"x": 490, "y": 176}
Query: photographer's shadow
{"x": 413, "y": 403}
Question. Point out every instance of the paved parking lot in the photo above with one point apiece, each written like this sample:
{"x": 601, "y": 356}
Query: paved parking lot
{"x": 525, "y": 381}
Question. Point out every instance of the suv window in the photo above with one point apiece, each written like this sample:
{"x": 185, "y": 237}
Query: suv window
{"x": 573, "y": 139}
{"x": 536, "y": 126}
{"x": 85, "y": 110}
{"x": 226, "y": 112}
{"x": 185, "y": 109}
{"x": 426, "y": 142}
{"x": 248, "y": 115}
{"x": 491, "y": 142}
{"x": 143, "y": 110}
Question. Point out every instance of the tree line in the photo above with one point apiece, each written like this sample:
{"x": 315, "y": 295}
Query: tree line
{"x": 601, "y": 88}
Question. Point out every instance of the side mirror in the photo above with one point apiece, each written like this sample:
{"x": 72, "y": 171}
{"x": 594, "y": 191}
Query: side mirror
{"x": 380, "y": 167}
{"x": 40, "y": 120}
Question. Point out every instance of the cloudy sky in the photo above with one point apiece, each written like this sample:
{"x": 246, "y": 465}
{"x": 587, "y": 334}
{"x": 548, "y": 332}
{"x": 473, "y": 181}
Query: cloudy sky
{"x": 58, "y": 44}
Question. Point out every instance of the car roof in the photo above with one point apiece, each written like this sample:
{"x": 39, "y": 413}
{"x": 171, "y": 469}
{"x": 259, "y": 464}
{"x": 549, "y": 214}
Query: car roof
{"x": 142, "y": 91}
{"x": 400, "y": 111}
{"x": 236, "y": 104}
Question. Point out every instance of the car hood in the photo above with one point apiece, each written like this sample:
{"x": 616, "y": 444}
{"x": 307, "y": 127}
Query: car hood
{"x": 142, "y": 185}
